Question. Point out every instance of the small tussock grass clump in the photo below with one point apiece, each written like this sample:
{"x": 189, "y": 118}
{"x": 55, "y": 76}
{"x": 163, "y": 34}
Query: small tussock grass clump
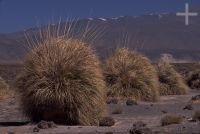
{"x": 131, "y": 75}
{"x": 193, "y": 80}
{"x": 169, "y": 119}
{"x": 5, "y": 92}
{"x": 117, "y": 111}
{"x": 196, "y": 115}
{"x": 171, "y": 82}
{"x": 62, "y": 81}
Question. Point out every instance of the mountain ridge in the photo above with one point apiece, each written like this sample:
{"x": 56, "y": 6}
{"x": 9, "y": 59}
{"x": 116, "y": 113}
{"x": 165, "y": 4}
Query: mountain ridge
{"x": 152, "y": 35}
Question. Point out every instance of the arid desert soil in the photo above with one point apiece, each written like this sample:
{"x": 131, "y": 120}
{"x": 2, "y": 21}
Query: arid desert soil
{"x": 149, "y": 113}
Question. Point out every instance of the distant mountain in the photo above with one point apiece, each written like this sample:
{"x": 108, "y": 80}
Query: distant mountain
{"x": 155, "y": 35}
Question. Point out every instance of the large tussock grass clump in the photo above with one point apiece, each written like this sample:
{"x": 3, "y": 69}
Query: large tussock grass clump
{"x": 5, "y": 91}
{"x": 171, "y": 82}
{"x": 61, "y": 81}
{"x": 193, "y": 80}
{"x": 131, "y": 75}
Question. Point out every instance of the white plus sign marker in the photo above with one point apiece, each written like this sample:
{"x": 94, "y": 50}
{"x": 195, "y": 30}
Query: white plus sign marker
{"x": 187, "y": 14}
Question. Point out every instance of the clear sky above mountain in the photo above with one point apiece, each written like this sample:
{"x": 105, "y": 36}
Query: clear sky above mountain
{"x": 16, "y": 15}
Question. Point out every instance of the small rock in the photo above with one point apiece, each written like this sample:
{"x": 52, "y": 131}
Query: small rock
{"x": 184, "y": 117}
{"x": 46, "y": 124}
{"x": 140, "y": 128}
{"x": 164, "y": 112}
{"x": 43, "y": 125}
{"x": 109, "y": 133}
{"x": 107, "y": 121}
{"x": 131, "y": 102}
{"x": 151, "y": 105}
{"x": 188, "y": 107}
{"x": 36, "y": 129}
{"x": 196, "y": 98}
{"x": 158, "y": 132}
{"x": 191, "y": 120}
{"x": 139, "y": 124}
{"x": 51, "y": 124}
{"x": 10, "y": 133}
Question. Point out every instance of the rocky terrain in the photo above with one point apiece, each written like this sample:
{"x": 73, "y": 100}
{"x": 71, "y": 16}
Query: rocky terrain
{"x": 13, "y": 121}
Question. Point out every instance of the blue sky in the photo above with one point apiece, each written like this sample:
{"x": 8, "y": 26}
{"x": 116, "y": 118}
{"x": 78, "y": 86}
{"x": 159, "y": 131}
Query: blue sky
{"x": 17, "y": 15}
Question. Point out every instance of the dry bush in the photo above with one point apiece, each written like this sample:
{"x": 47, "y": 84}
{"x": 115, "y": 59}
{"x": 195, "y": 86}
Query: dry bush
{"x": 171, "y": 82}
{"x": 169, "y": 119}
{"x": 61, "y": 81}
{"x": 131, "y": 75}
{"x": 193, "y": 80}
{"x": 5, "y": 92}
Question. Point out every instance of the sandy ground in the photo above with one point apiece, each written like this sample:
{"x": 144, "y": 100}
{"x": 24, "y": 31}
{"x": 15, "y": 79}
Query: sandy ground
{"x": 150, "y": 113}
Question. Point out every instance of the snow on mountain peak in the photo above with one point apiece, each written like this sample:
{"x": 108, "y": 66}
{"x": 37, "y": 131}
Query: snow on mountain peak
{"x": 115, "y": 18}
{"x": 103, "y": 19}
{"x": 90, "y": 19}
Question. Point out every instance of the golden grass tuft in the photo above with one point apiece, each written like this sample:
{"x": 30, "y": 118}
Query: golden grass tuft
{"x": 171, "y": 82}
{"x": 5, "y": 92}
{"x": 61, "y": 81}
{"x": 131, "y": 75}
{"x": 169, "y": 119}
